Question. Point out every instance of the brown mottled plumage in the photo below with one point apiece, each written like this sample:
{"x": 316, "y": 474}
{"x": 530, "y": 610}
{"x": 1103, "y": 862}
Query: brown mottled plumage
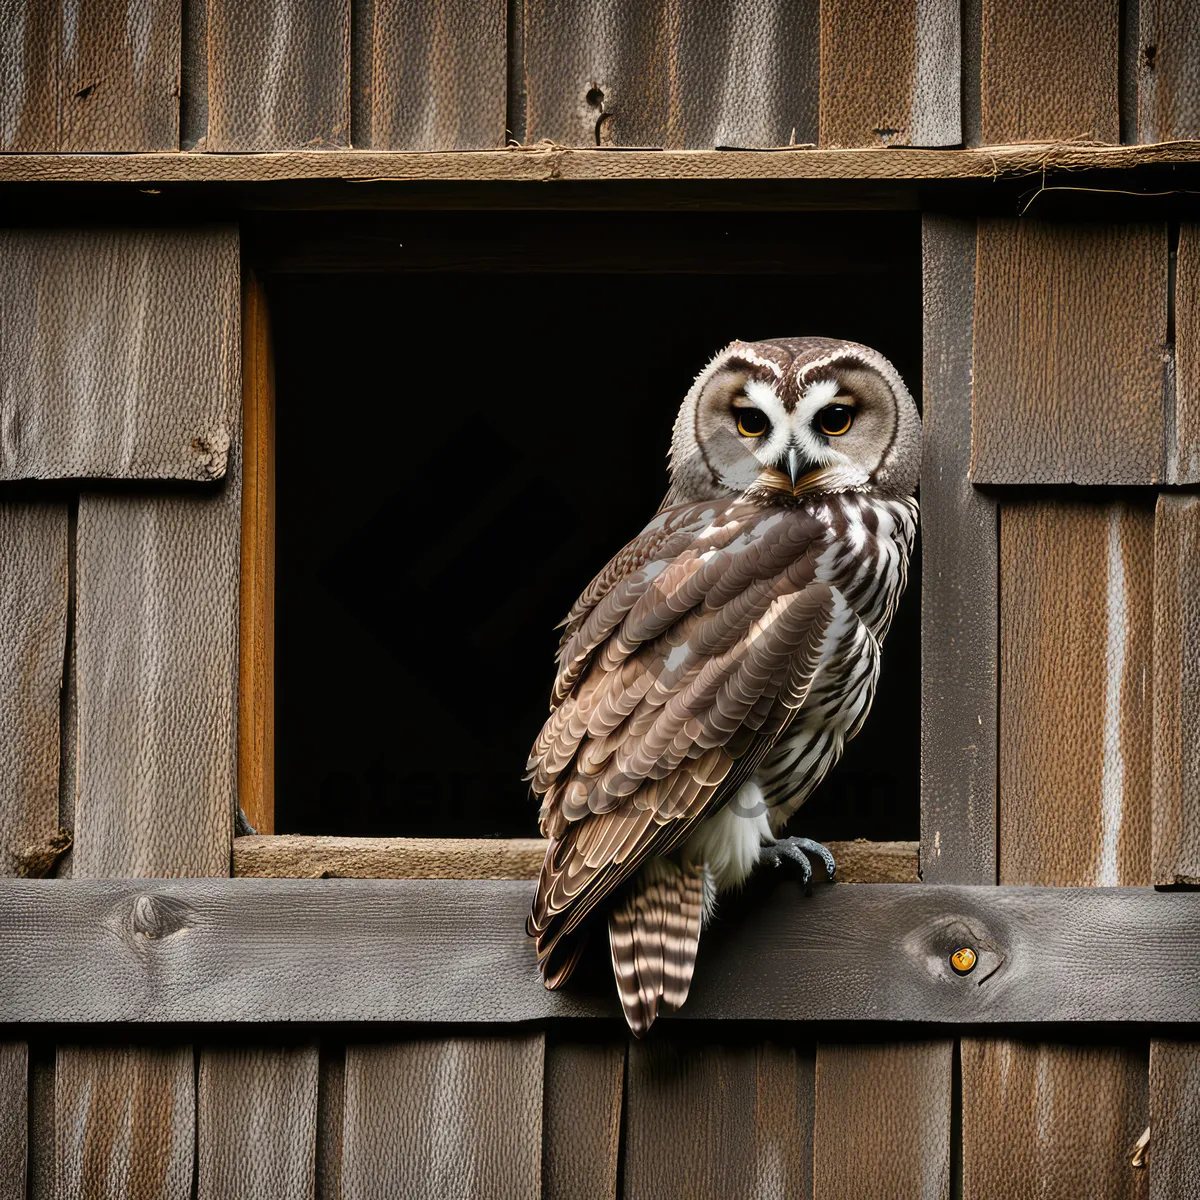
{"x": 710, "y": 674}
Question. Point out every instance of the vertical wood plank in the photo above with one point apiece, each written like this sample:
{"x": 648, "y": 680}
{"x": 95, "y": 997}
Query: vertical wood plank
{"x": 1052, "y": 1121}
{"x": 29, "y": 39}
{"x": 439, "y": 74}
{"x": 882, "y": 1124}
{"x": 741, "y": 73}
{"x": 120, "y": 76}
{"x": 119, "y": 352}
{"x": 1069, "y": 353}
{"x": 125, "y": 1122}
{"x": 959, "y": 581}
{"x": 1168, "y": 70}
{"x": 14, "y": 1118}
{"x": 1049, "y": 71}
{"x": 1077, "y": 588}
{"x": 278, "y": 75}
{"x": 893, "y": 79}
{"x": 581, "y": 1119}
{"x": 256, "y": 642}
{"x": 33, "y": 625}
{"x": 257, "y": 1123}
{"x": 1174, "y": 1120}
{"x": 441, "y": 1117}
{"x": 157, "y": 635}
{"x": 1183, "y": 441}
{"x": 707, "y": 1120}
{"x": 40, "y": 1183}
{"x": 1176, "y": 725}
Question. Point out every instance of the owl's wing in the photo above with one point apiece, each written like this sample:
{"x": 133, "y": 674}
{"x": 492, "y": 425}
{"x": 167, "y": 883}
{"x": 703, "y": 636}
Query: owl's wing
{"x": 674, "y": 680}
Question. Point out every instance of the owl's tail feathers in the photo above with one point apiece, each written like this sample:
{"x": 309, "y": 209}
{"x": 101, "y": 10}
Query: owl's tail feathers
{"x": 653, "y": 934}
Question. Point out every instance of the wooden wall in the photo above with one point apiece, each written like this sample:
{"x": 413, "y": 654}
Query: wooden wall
{"x": 271, "y": 75}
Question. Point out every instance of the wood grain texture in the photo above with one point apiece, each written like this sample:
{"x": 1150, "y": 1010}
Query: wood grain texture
{"x": 29, "y": 42}
{"x": 1168, "y": 82}
{"x": 125, "y": 1122}
{"x": 1174, "y": 1120}
{"x": 891, "y": 79}
{"x": 440, "y": 1117}
{"x": 278, "y": 75}
{"x": 1049, "y": 71}
{"x": 157, "y": 668}
{"x": 1069, "y": 353}
{"x": 1076, "y": 639}
{"x": 717, "y": 1120}
{"x": 581, "y": 1118}
{"x": 1183, "y": 441}
{"x": 1176, "y": 703}
{"x": 882, "y": 1124}
{"x": 14, "y": 1119}
{"x": 118, "y": 352}
{"x": 256, "y": 639}
{"x": 257, "y": 1122}
{"x": 39, "y": 1184}
{"x": 655, "y": 73}
{"x": 304, "y": 856}
{"x": 960, "y": 580}
{"x": 252, "y": 950}
{"x": 1055, "y": 1122}
{"x": 33, "y": 628}
{"x": 119, "y": 86}
{"x": 438, "y": 74}
{"x": 546, "y": 163}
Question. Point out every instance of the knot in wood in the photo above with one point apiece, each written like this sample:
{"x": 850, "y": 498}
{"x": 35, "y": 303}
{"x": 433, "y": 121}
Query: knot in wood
{"x": 159, "y": 916}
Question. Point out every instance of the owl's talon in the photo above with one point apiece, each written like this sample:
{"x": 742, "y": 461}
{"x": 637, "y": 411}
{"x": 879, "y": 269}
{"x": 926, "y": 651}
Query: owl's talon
{"x": 800, "y": 854}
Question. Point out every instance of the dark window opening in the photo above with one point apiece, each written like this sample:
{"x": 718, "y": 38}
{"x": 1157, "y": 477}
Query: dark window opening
{"x": 459, "y": 450}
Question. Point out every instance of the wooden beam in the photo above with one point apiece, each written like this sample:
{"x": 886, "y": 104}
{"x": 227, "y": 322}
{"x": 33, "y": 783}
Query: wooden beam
{"x": 238, "y": 950}
{"x": 299, "y": 856}
{"x": 549, "y": 163}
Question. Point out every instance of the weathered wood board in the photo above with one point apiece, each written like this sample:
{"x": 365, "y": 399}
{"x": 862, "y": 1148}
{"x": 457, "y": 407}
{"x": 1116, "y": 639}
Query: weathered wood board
{"x": 883, "y": 1115}
{"x": 243, "y": 950}
{"x": 1176, "y": 703}
{"x": 14, "y": 1119}
{"x": 581, "y": 1118}
{"x": 435, "y": 1117}
{"x": 1069, "y": 353}
{"x": 33, "y": 628}
{"x": 959, "y": 581}
{"x": 1183, "y": 431}
{"x": 257, "y": 1122}
{"x": 890, "y": 79}
{"x": 438, "y": 75}
{"x": 125, "y": 1122}
{"x": 278, "y": 75}
{"x": 707, "y": 1119}
{"x": 1168, "y": 79}
{"x": 119, "y": 353}
{"x": 1059, "y": 1120}
{"x": 1049, "y": 71}
{"x": 652, "y": 73}
{"x": 1076, "y": 639}
{"x": 157, "y": 670}
{"x": 1174, "y": 1120}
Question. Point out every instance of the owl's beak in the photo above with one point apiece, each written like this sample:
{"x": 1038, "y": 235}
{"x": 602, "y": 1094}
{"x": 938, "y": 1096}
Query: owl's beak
{"x": 792, "y": 465}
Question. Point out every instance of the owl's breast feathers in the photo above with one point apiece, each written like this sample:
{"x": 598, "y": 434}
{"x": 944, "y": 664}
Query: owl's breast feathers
{"x": 679, "y": 667}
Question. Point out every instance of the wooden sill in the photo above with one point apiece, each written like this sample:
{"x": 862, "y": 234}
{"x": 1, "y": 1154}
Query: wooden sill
{"x": 298, "y": 856}
{"x": 546, "y": 162}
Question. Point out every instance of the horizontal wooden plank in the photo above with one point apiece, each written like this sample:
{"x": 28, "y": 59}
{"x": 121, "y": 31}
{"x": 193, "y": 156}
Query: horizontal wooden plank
{"x": 540, "y": 164}
{"x": 301, "y": 856}
{"x": 119, "y": 353}
{"x": 244, "y": 950}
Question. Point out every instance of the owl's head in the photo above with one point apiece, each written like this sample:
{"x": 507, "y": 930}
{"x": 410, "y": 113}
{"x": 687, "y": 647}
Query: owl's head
{"x": 795, "y": 417}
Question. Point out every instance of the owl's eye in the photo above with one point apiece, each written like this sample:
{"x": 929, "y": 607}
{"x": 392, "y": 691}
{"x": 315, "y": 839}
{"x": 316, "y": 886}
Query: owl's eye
{"x": 751, "y": 422}
{"x": 835, "y": 419}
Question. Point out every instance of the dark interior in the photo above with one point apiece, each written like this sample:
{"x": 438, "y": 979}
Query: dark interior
{"x": 508, "y": 432}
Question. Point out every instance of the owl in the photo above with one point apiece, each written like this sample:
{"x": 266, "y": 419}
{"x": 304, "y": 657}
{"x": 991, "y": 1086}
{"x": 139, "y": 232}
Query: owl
{"x": 712, "y": 673}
